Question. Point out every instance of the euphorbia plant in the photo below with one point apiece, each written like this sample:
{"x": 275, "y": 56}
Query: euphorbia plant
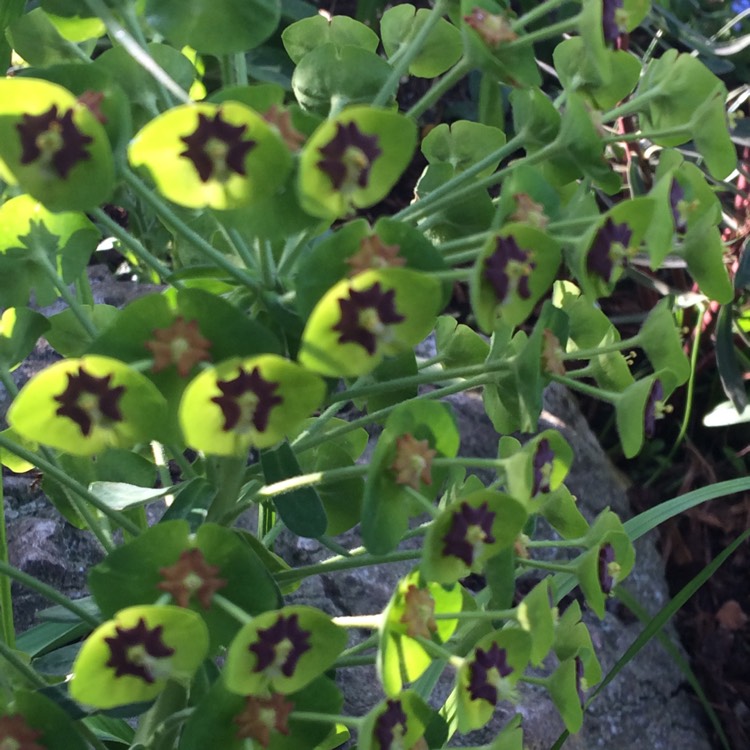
{"x": 297, "y": 279}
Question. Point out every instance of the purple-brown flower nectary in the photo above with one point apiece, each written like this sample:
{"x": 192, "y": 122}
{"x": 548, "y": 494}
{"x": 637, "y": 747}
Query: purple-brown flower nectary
{"x": 486, "y": 671}
{"x": 348, "y": 157}
{"x": 390, "y": 726}
{"x": 653, "y": 412}
{"x": 16, "y": 734}
{"x": 217, "y": 148}
{"x": 606, "y": 560}
{"x": 280, "y": 646}
{"x": 191, "y": 574}
{"x": 90, "y": 401}
{"x": 136, "y": 651}
{"x": 246, "y": 401}
{"x": 676, "y": 197}
{"x": 262, "y": 716}
{"x": 508, "y": 269}
{"x": 470, "y": 530}
{"x": 542, "y": 463}
{"x": 366, "y": 315}
{"x": 609, "y": 245}
{"x": 52, "y": 139}
{"x": 579, "y": 680}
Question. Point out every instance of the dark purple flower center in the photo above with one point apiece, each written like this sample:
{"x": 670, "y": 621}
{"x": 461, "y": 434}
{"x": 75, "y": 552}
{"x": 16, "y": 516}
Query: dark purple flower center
{"x": 676, "y": 196}
{"x": 486, "y": 671}
{"x": 579, "y": 680}
{"x": 470, "y": 530}
{"x": 246, "y": 401}
{"x": 365, "y": 317}
{"x": 508, "y": 269}
{"x": 279, "y": 647}
{"x": 653, "y": 412}
{"x": 543, "y": 458}
{"x": 136, "y": 651}
{"x": 90, "y": 401}
{"x": 217, "y": 148}
{"x": 348, "y": 157}
{"x": 606, "y": 558}
{"x": 390, "y": 725}
{"x": 610, "y": 22}
{"x": 609, "y": 245}
{"x": 52, "y": 139}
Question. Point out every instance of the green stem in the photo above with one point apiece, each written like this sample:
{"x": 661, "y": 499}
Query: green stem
{"x": 83, "y": 289}
{"x": 375, "y": 416}
{"x": 368, "y": 622}
{"x": 7, "y": 629}
{"x": 589, "y": 390}
{"x": 576, "y": 221}
{"x": 319, "y": 423}
{"x": 615, "y": 346}
{"x": 138, "y": 53}
{"x": 554, "y": 543}
{"x": 188, "y": 472}
{"x": 424, "y": 378}
{"x": 450, "y": 193}
{"x": 48, "y": 592}
{"x": 232, "y": 609}
{"x": 650, "y": 136}
{"x": 544, "y": 565}
{"x": 8, "y": 653}
{"x": 239, "y": 65}
{"x": 439, "y": 652}
{"x": 441, "y": 87}
{"x": 328, "y": 476}
{"x": 136, "y": 247}
{"x": 535, "y": 13}
{"x": 632, "y": 106}
{"x": 358, "y": 559}
{"x": 453, "y": 274}
{"x": 479, "y": 614}
{"x": 548, "y": 32}
{"x": 65, "y": 293}
{"x": 229, "y": 480}
{"x": 470, "y": 240}
{"x": 348, "y": 721}
{"x": 170, "y": 218}
{"x": 401, "y": 65}
{"x": 364, "y": 660}
{"x": 467, "y": 256}
{"x": 67, "y": 481}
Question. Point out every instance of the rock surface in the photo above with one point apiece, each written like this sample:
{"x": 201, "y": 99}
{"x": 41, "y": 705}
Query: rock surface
{"x": 646, "y": 706}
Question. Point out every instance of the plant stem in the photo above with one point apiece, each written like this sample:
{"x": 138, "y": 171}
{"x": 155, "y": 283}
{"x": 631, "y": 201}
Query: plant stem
{"x": 138, "y": 53}
{"x": 651, "y": 136}
{"x": 445, "y": 84}
{"x": 548, "y": 32}
{"x": 358, "y": 559}
{"x": 67, "y": 481}
{"x": 232, "y": 609}
{"x": 348, "y": 721}
{"x": 229, "y": 479}
{"x": 589, "y": 390}
{"x": 376, "y": 416}
{"x": 364, "y": 660}
{"x": 171, "y": 219}
{"x": 7, "y": 629}
{"x": 307, "y": 480}
{"x": 8, "y": 653}
{"x": 535, "y": 13}
{"x": 632, "y": 106}
{"x": 137, "y": 248}
{"x": 470, "y": 240}
{"x": 48, "y": 592}
{"x": 401, "y": 65}
{"x": 544, "y": 565}
{"x": 65, "y": 293}
{"x": 615, "y": 346}
{"x": 368, "y": 622}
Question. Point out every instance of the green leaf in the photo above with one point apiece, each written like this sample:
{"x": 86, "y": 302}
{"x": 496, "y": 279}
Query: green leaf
{"x": 307, "y": 34}
{"x": 35, "y": 38}
{"x": 660, "y": 339}
{"x": 562, "y": 687}
{"x": 334, "y": 73}
{"x": 20, "y": 329}
{"x": 325, "y": 641}
{"x": 703, "y": 252}
{"x": 216, "y": 27}
{"x": 301, "y": 510}
{"x": 90, "y": 179}
{"x": 415, "y": 296}
{"x": 442, "y": 48}
{"x": 536, "y": 617}
{"x": 458, "y": 345}
{"x": 727, "y": 361}
{"x": 94, "y": 682}
{"x": 68, "y": 337}
{"x": 160, "y": 147}
{"x": 463, "y": 144}
{"x": 208, "y": 428}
